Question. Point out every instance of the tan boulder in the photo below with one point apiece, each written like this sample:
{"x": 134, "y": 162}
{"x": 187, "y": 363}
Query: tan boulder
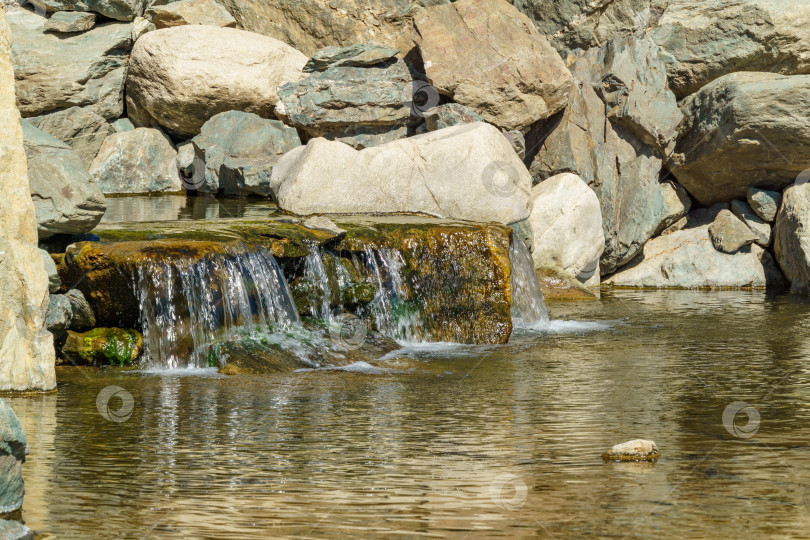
{"x": 205, "y": 12}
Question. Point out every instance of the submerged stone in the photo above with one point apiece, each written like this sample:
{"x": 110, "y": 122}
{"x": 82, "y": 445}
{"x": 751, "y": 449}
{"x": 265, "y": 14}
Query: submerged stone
{"x": 635, "y": 450}
{"x": 13, "y": 449}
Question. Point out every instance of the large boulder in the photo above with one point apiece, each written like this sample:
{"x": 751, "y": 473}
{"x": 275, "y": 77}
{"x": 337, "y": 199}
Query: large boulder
{"x": 711, "y": 38}
{"x": 66, "y": 199}
{"x": 621, "y": 120}
{"x": 13, "y": 449}
{"x": 180, "y": 77}
{"x": 122, "y": 10}
{"x": 464, "y": 172}
{"x": 206, "y": 12}
{"x": 139, "y": 161}
{"x": 239, "y": 151}
{"x": 57, "y": 72}
{"x": 361, "y": 105}
{"x": 792, "y": 236}
{"x": 78, "y": 127}
{"x": 743, "y": 130}
{"x": 566, "y": 223}
{"x": 486, "y": 55}
{"x": 309, "y": 25}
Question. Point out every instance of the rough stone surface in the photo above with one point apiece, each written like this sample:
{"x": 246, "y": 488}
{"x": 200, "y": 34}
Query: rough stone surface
{"x": 81, "y": 314}
{"x": 450, "y": 114}
{"x": 760, "y": 229}
{"x": 239, "y": 151}
{"x": 356, "y": 55}
{"x": 13, "y": 449}
{"x": 70, "y": 22}
{"x": 26, "y": 348}
{"x": 78, "y": 127}
{"x": 54, "y": 283}
{"x": 181, "y": 77}
{"x": 465, "y": 172}
{"x": 635, "y": 450}
{"x": 66, "y": 199}
{"x": 729, "y": 234}
{"x": 14, "y": 530}
{"x": 58, "y": 315}
{"x": 103, "y": 347}
{"x": 764, "y": 203}
{"x": 558, "y": 285}
{"x": 687, "y": 259}
{"x": 57, "y": 72}
{"x": 122, "y": 10}
{"x": 792, "y": 236}
{"x": 121, "y": 125}
{"x": 138, "y": 161}
{"x": 676, "y": 205}
{"x": 489, "y": 57}
{"x": 743, "y": 130}
{"x": 361, "y": 106}
{"x": 205, "y": 12}
{"x": 566, "y": 223}
{"x": 600, "y": 136}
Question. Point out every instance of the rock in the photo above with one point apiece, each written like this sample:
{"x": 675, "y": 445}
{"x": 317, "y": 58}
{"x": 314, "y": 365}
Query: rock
{"x": 518, "y": 142}
{"x": 706, "y": 40}
{"x": 792, "y": 236}
{"x": 121, "y": 10}
{"x": 729, "y": 234}
{"x": 676, "y": 205}
{"x": 13, "y": 449}
{"x": 635, "y": 450}
{"x": 14, "y": 530}
{"x": 760, "y": 229}
{"x": 58, "y": 316}
{"x": 185, "y": 159}
{"x": 360, "y": 106}
{"x": 80, "y": 128}
{"x": 54, "y": 283}
{"x": 356, "y": 55}
{"x": 121, "y": 125}
{"x": 81, "y": 314}
{"x": 205, "y": 12}
{"x": 239, "y": 151}
{"x": 66, "y": 199}
{"x": 321, "y": 223}
{"x": 139, "y": 161}
{"x": 764, "y": 203}
{"x": 559, "y": 285}
{"x": 58, "y": 72}
{"x": 566, "y": 223}
{"x": 743, "y": 130}
{"x": 481, "y": 53}
{"x": 140, "y": 26}
{"x": 450, "y": 114}
{"x": 310, "y": 25}
{"x": 103, "y": 347}
{"x": 464, "y": 172}
{"x": 600, "y": 137}
{"x": 26, "y": 350}
{"x": 70, "y": 22}
{"x": 687, "y": 259}
{"x": 181, "y": 77}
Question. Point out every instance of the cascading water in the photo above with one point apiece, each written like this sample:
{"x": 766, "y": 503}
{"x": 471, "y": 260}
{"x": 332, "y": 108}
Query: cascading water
{"x": 316, "y": 277}
{"x": 528, "y": 304}
{"x": 186, "y": 305}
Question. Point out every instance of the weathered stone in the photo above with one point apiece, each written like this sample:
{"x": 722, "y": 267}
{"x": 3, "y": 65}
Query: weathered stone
{"x": 635, "y": 450}
{"x": 463, "y": 172}
{"x": 450, "y": 114}
{"x": 66, "y": 199}
{"x": 310, "y": 25}
{"x": 604, "y": 147}
{"x": 14, "y": 530}
{"x": 181, "y": 77}
{"x": 356, "y": 55}
{"x": 54, "y": 283}
{"x": 518, "y": 142}
{"x": 486, "y": 55}
{"x": 792, "y": 236}
{"x": 80, "y": 128}
{"x": 687, "y": 259}
{"x": 743, "y": 130}
{"x": 239, "y": 151}
{"x": 140, "y": 26}
{"x": 729, "y": 234}
{"x": 339, "y": 101}
{"x": 676, "y": 205}
{"x": 138, "y": 161}
{"x": 121, "y": 125}
{"x": 122, "y": 10}
{"x": 70, "y": 22}
{"x": 13, "y": 449}
{"x": 706, "y": 40}
{"x": 764, "y": 203}
{"x": 81, "y": 314}
{"x": 183, "y": 12}
{"x": 58, "y": 316}
{"x": 559, "y": 285}
{"x": 760, "y": 229}
{"x": 325, "y": 224}
{"x": 566, "y": 223}
{"x": 103, "y": 347}
{"x": 57, "y": 72}
{"x": 26, "y": 348}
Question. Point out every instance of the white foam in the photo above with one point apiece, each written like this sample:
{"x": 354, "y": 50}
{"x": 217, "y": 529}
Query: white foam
{"x": 181, "y": 372}
{"x": 354, "y": 367}
{"x": 559, "y": 326}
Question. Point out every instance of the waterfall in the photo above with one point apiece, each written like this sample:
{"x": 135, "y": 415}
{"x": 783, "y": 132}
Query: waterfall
{"x": 320, "y": 294}
{"x": 186, "y": 305}
{"x": 528, "y": 303}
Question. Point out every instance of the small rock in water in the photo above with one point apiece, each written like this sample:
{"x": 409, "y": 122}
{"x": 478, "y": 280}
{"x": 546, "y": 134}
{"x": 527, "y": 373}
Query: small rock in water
{"x": 635, "y": 450}
{"x": 321, "y": 223}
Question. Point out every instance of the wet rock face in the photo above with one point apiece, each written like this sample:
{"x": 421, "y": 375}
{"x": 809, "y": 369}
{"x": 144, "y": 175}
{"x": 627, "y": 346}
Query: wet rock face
{"x": 103, "y": 347}
{"x": 13, "y": 449}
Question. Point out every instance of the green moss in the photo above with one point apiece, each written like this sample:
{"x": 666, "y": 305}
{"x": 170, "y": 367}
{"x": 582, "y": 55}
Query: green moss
{"x": 103, "y": 346}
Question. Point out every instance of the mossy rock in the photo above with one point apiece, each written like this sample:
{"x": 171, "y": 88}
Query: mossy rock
{"x": 103, "y": 347}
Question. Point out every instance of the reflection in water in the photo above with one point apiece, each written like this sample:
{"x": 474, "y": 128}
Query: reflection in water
{"x": 441, "y": 444}
{"x": 142, "y": 208}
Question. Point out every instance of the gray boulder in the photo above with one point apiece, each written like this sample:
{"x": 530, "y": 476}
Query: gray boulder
{"x": 139, "y": 161}
{"x": 69, "y": 311}
{"x": 743, "y": 130}
{"x": 78, "y": 127}
{"x": 357, "y": 55}
{"x": 66, "y": 199}
{"x": 13, "y": 449}
{"x": 14, "y": 530}
{"x": 608, "y": 136}
{"x": 765, "y": 203}
{"x": 792, "y": 236}
{"x": 70, "y": 22}
{"x": 729, "y": 234}
{"x": 57, "y": 72}
{"x": 81, "y": 314}
{"x": 759, "y": 228}
{"x": 121, "y": 125}
{"x": 122, "y": 10}
{"x": 676, "y": 205}
{"x": 239, "y": 151}
{"x": 54, "y": 281}
{"x": 450, "y": 114}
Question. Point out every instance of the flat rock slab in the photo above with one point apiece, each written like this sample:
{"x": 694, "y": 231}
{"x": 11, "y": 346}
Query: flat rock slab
{"x": 70, "y": 22}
